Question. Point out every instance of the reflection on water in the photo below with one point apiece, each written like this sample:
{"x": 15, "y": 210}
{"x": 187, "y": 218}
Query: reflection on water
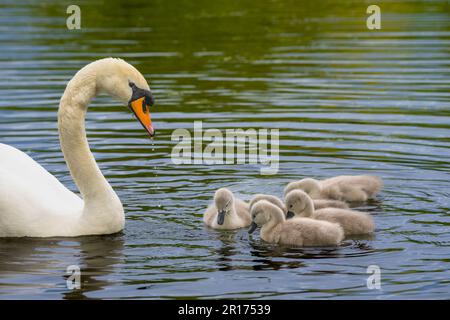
{"x": 346, "y": 101}
{"x": 31, "y": 265}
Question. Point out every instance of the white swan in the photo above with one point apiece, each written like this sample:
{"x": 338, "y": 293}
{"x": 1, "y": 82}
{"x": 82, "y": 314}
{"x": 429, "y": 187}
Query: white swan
{"x": 300, "y": 204}
{"x": 227, "y": 212}
{"x": 345, "y": 188}
{"x": 299, "y": 231}
{"x": 33, "y": 202}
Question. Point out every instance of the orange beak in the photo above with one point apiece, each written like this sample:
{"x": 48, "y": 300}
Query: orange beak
{"x": 142, "y": 113}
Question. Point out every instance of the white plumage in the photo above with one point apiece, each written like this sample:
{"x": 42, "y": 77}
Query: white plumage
{"x": 33, "y": 202}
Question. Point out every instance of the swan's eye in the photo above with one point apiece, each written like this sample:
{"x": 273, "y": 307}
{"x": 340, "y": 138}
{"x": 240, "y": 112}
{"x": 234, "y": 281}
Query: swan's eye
{"x": 291, "y": 206}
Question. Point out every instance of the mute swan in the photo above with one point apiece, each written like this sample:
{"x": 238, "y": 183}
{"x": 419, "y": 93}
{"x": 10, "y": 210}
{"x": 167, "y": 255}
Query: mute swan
{"x": 346, "y": 188}
{"x": 33, "y": 203}
{"x": 300, "y": 231}
{"x": 300, "y": 204}
{"x": 227, "y": 212}
{"x": 318, "y": 203}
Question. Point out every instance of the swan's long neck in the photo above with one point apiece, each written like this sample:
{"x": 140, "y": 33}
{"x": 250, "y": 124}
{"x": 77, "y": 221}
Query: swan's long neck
{"x": 276, "y": 217}
{"x": 314, "y": 189}
{"x": 308, "y": 210}
{"x": 100, "y": 200}
{"x": 233, "y": 211}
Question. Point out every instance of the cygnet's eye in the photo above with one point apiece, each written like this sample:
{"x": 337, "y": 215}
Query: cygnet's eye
{"x": 291, "y": 206}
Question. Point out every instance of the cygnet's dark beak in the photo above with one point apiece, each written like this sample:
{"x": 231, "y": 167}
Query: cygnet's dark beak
{"x": 220, "y": 217}
{"x": 289, "y": 215}
{"x": 253, "y": 227}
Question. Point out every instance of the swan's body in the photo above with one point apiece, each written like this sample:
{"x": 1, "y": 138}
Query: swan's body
{"x": 227, "y": 212}
{"x": 27, "y": 197}
{"x": 33, "y": 202}
{"x": 344, "y": 188}
{"x": 353, "y": 222}
{"x": 300, "y": 231}
{"x": 318, "y": 203}
{"x": 326, "y": 203}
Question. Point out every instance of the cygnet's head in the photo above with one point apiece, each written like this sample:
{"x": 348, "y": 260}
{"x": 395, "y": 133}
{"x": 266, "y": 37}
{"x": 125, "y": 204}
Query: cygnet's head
{"x": 224, "y": 201}
{"x": 308, "y": 185}
{"x": 261, "y": 212}
{"x": 297, "y": 203}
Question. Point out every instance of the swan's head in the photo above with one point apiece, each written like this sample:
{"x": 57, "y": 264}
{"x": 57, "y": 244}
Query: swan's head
{"x": 309, "y": 185}
{"x": 261, "y": 212}
{"x": 297, "y": 203}
{"x": 223, "y": 200}
{"x": 124, "y": 82}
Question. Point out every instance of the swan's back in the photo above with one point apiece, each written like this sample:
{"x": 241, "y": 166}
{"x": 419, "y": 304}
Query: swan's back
{"x": 369, "y": 184}
{"x": 326, "y": 203}
{"x": 353, "y": 222}
{"x": 309, "y": 232}
{"x": 29, "y": 195}
{"x": 351, "y": 188}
